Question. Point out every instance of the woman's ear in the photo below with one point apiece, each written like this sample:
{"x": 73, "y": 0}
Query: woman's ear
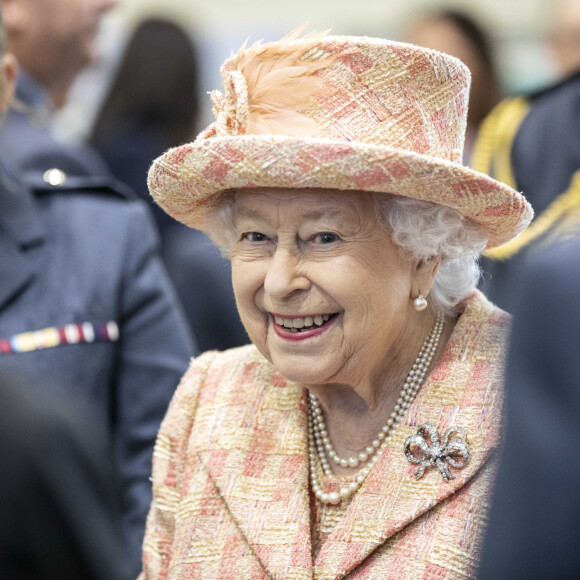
{"x": 8, "y": 72}
{"x": 424, "y": 275}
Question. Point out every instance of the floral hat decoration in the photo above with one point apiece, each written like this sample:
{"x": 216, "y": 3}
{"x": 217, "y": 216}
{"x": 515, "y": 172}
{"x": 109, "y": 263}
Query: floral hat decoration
{"x": 332, "y": 112}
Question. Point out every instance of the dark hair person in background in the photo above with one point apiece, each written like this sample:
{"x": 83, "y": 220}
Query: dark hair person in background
{"x": 153, "y": 105}
{"x": 460, "y": 35}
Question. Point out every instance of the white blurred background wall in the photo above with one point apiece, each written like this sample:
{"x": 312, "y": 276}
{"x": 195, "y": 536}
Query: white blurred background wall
{"x": 517, "y": 29}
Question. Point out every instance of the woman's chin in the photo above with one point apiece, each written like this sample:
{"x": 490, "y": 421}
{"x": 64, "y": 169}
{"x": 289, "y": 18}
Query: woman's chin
{"x": 304, "y": 370}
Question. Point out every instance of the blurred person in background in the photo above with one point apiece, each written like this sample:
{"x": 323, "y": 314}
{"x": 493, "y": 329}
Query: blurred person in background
{"x": 564, "y": 36}
{"x": 460, "y": 35}
{"x": 532, "y": 143}
{"x": 53, "y": 41}
{"x": 152, "y": 105}
{"x": 58, "y": 500}
{"x": 534, "y": 525}
{"x": 86, "y": 304}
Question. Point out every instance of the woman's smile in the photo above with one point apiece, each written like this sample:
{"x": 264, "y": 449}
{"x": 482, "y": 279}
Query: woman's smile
{"x": 296, "y": 329}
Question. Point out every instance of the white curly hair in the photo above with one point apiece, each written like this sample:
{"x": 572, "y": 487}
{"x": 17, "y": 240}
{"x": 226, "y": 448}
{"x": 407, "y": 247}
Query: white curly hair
{"x": 423, "y": 231}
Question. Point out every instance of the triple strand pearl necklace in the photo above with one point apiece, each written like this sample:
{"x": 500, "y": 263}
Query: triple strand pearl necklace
{"x": 319, "y": 443}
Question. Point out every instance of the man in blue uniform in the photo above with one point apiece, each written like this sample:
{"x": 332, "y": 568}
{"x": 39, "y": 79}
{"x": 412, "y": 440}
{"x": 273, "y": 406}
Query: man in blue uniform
{"x": 533, "y": 144}
{"x": 86, "y": 309}
{"x": 53, "y": 41}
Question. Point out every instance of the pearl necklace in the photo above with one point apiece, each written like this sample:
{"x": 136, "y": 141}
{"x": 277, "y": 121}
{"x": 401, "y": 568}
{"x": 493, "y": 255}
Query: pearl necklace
{"x": 321, "y": 447}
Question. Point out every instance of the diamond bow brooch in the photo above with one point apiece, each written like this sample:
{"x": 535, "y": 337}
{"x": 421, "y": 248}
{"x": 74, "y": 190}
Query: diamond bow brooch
{"x": 424, "y": 449}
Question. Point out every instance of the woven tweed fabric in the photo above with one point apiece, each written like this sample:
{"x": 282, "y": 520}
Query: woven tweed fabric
{"x": 382, "y": 117}
{"x": 230, "y": 482}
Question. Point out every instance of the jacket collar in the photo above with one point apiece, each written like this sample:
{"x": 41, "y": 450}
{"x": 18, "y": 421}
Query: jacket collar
{"x": 20, "y": 230}
{"x": 392, "y": 497}
{"x": 35, "y": 98}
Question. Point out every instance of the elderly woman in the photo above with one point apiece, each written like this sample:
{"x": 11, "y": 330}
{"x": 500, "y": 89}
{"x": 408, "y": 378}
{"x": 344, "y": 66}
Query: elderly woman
{"x": 356, "y": 435}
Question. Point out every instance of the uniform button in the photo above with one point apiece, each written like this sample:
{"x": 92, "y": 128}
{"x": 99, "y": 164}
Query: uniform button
{"x": 54, "y": 176}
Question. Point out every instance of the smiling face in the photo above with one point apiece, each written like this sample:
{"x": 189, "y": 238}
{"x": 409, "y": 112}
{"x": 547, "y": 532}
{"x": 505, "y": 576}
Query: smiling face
{"x": 322, "y": 290}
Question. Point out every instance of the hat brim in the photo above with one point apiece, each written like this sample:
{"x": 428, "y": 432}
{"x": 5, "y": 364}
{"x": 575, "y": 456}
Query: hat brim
{"x": 186, "y": 180}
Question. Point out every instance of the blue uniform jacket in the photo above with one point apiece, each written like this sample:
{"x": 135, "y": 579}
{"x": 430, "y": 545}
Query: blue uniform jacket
{"x": 534, "y": 526}
{"x": 200, "y": 275}
{"x": 81, "y": 253}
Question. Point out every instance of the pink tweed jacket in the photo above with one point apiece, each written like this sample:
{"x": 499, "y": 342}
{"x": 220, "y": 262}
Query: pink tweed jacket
{"x": 230, "y": 479}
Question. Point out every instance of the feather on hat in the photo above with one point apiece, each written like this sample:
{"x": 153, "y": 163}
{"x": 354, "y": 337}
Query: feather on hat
{"x": 342, "y": 113}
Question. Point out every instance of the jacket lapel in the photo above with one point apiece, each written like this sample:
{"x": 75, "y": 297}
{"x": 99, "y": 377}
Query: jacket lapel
{"x": 20, "y": 231}
{"x": 261, "y": 475}
{"x": 17, "y": 271}
{"x": 463, "y": 390}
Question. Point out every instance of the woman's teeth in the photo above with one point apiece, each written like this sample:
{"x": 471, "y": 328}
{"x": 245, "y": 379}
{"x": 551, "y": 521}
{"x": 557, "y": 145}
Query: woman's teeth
{"x": 302, "y": 324}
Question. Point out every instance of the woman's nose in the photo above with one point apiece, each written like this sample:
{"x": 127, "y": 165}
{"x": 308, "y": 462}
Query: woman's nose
{"x": 284, "y": 275}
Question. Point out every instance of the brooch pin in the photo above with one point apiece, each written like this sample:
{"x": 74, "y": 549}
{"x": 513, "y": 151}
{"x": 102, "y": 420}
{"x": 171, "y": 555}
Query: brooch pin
{"x": 454, "y": 450}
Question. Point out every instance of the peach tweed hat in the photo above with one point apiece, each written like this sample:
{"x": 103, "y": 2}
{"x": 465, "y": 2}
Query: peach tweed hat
{"x": 344, "y": 113}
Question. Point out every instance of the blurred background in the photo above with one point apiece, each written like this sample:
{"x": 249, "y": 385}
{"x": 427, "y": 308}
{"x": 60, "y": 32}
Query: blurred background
{"x": 518, "y": 31}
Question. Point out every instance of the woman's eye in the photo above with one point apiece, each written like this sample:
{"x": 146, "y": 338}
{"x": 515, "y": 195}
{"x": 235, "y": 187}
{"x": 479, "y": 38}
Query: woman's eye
{"x": 326, "y": 238}
{"x": 255, "y": 237}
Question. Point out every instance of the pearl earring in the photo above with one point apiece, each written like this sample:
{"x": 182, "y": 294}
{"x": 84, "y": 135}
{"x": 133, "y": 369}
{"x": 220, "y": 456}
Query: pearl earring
{"x": 420, "y": 303}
